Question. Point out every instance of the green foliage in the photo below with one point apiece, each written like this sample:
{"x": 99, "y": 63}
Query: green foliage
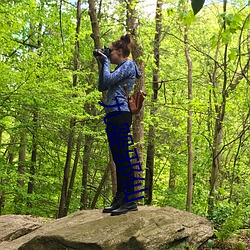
{"x": 233, "y": 222}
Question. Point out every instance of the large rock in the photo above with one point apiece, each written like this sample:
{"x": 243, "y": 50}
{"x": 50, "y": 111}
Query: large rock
{"x": 149, "y": 228}
{"x": 15, "y": 226}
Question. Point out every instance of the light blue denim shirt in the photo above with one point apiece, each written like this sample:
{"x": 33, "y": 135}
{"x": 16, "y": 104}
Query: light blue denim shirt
{"x": 113, "y": 82}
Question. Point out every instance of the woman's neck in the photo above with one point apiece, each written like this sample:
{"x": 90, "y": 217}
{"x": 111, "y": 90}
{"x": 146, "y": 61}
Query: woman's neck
{"x": 122, "y": 60}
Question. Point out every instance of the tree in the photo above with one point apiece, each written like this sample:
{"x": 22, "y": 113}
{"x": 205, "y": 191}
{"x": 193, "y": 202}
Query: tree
{"x": 151, "y": 133}
{"x": 64, "y": 200}
{"x": 189, "y": 124}
{"x": 137, "y": 52}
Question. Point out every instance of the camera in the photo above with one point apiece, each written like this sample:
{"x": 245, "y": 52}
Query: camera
{"x": 106, "y": 51}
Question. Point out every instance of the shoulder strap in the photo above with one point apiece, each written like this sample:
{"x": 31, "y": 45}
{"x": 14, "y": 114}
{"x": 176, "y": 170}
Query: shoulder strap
{"x": 126, "y": 88}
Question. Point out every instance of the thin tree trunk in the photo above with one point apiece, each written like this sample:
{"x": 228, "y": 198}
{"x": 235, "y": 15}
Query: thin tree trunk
{"x": 99, "y": 189}
{"x": 33, "y": 157}
{"x": 95, "y": 24}
{"x": 64, "y": 191}
{"x": 151, "y": 133}
{"x": 11, "y": 155}
{"x": 19, "y": 199}
{"x": 2, "y": 194}
{"x": 85, "y": 170}
{"x": 218, "y": 130}
{"x": 73, "y": 174}
{"x": 137, "y": 52}
{"x": 172, "y": 170}
{"x": 32, "y": 167}
{"x": 66, "y": 176}
{"x": 172, "y": 178}
{"x": 2, "y": 198}
{"x": 97, "y": 44}
{"x": 35, "y": 112}
{"x": 22, "y": 159}
{"x": 189, "y": 125}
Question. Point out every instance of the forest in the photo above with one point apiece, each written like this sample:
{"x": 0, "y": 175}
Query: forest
{"x": 192, "y": 134}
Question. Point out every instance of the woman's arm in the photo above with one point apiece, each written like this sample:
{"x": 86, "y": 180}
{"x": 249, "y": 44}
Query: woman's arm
{"x": 101, "y": 86}
{"x": 123, "y": 72}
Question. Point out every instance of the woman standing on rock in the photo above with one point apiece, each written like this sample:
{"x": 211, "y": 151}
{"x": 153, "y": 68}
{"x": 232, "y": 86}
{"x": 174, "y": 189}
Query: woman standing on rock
{"x": 119, "y": 118}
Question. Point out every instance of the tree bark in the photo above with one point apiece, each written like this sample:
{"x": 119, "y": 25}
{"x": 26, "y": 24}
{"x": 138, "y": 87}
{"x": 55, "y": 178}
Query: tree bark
{"x": 66, "y": 176}
{"x": 22, "y": 159}
{"x": 172, "y": 170}
{"x": 151, "y": 134}
{"x": 97, "y": 45}
{"x": 189, "y": 124}
{"x": 218, "y": 127}
{"x": 64, "y": 191}
{"x": 137, "y": 52}
{"x": 99, "y": 189}
{"x": 19, "y": 198}
{"x": 33, "y": 156}
{"x": 35, "y": 111}
{"x": 94, "y": 24}
{"x": 73, "y": 175}
{"x": 2, "y": 198}
{"x": 85, "y": 170}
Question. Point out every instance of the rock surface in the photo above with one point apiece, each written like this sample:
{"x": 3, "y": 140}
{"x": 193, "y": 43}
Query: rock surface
{"x": 15, "y": 226}
{"x": 149, "y": 228}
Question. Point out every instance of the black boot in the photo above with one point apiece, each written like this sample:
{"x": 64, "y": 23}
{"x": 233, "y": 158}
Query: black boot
{"x": 125, "y": 207}
{"x": 117, "y": 201}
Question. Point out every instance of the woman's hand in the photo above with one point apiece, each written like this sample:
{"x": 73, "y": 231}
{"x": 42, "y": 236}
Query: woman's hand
{"x": 101, "y": 58}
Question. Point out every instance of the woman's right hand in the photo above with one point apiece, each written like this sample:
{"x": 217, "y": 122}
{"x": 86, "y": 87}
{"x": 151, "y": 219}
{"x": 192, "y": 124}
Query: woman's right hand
{"x": 101, "y": 58}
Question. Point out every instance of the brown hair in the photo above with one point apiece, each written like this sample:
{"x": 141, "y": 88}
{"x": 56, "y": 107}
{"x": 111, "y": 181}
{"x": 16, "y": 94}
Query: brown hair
{"x": 124, "y": 44}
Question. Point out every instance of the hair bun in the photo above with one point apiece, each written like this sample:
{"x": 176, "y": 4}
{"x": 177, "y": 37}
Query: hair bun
{"x": 126, "y": 39}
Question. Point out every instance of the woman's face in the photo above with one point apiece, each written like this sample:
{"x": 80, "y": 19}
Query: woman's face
{"x": 116, "y": 56}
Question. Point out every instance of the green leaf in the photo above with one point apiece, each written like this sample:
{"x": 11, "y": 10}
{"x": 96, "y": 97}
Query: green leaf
{"x": 188, "y": 17}
{"x": 197, "y": 5}
{"x": 233, "y": 54}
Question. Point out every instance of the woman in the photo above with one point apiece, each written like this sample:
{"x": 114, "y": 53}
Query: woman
{"x": 119, "y": 118}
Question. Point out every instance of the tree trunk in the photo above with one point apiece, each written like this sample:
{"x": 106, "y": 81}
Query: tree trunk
{"x": 97, "y": 45}
{"x": 64, "y": 191}
{"x": 19, "y": 198}
{"x": 33, "y": 156}
{"x": 172, "y": 170}
{"x": 137, "y": 52}
{"x": 35, "y": 112}
{"x": 151, "y": 133}
{"x": 73, "y": 174}
{"x": 22, "y": 159}
{"x": 217, "y": 142}
{"x": 11, "y": 152}
{"x": 1, "y": 179}
{"x": 98, "y": 191}
{"x": 85, "y": 170}
{"x": 189, "y": 125}
{"x": 172, "y": 178}
{"x": 66, "y": 176}
{"x": 94, "y": 24}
